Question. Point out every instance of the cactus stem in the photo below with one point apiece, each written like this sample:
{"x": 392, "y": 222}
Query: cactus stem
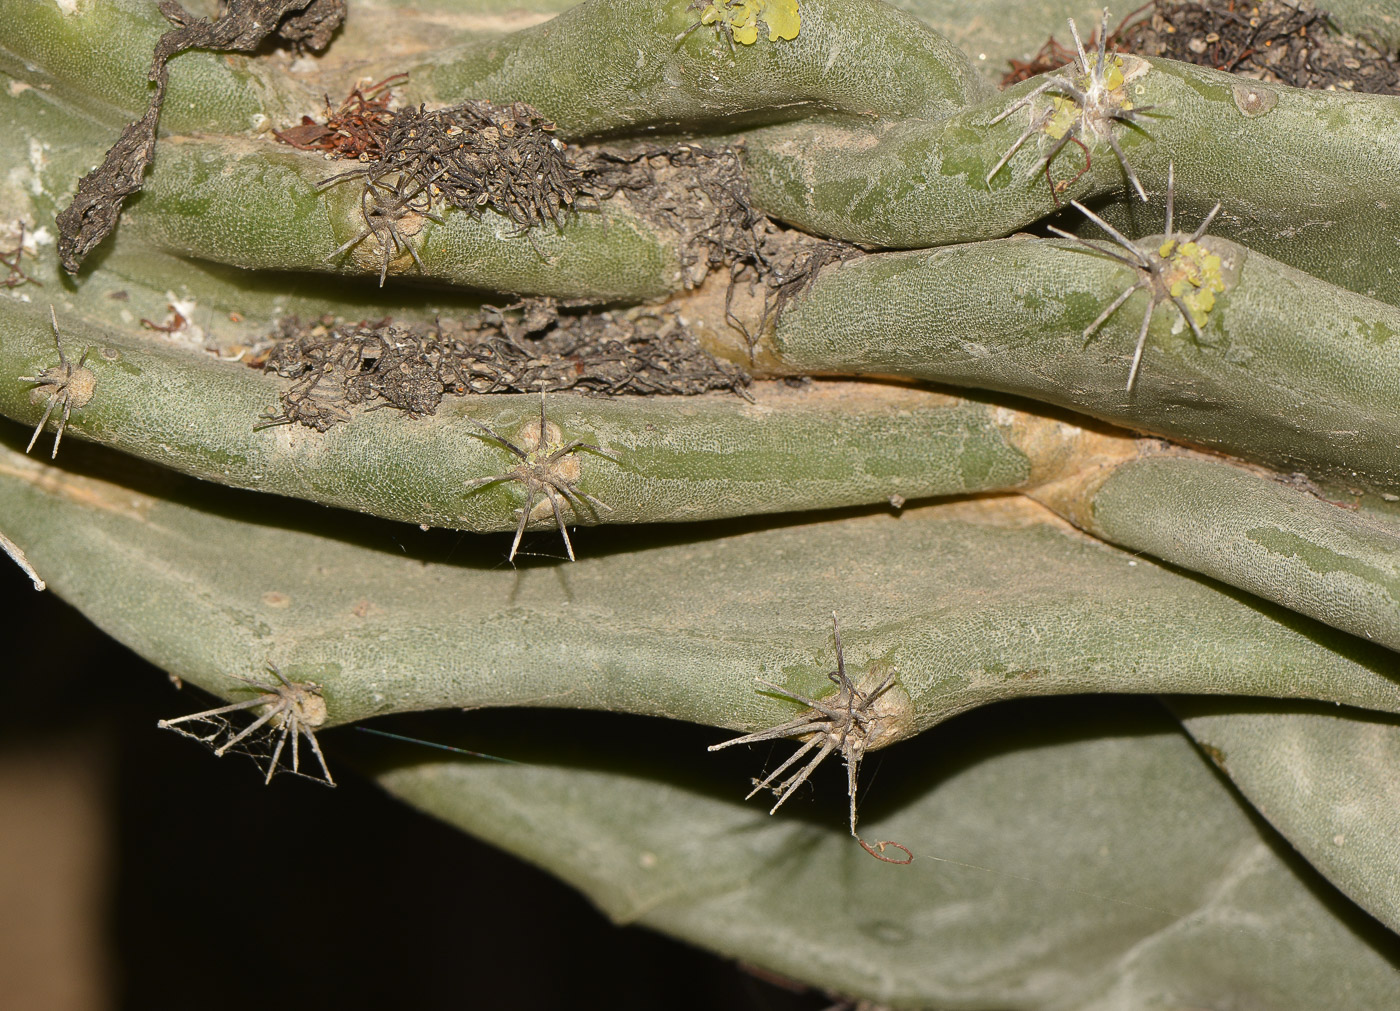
{"x": 64, "y": 385}
{"x": 548, "y": 467}
{"x": 844, "y": 722}
{"x": 381, "y": 220}
{"x": 291, "y": 709}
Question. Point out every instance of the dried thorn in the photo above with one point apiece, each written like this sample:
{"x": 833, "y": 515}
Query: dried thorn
{"x": 1201, "y": 229}
{"x": 772, "y": 733}
{"x": 1123, "y": 161}
{"x": 1141, "y": 343}
{"x": 1079, "y": 47}
{"x": 1155, "y": 266}
{"x": 1030, "y": 131}
{"x": 1026, "y": 99}
{"x": 1112, "y": 308}
{"x": 1171, "y": 200}
{"x": 18, "y": 557}
{"x": 843, "y": 722}
{"x": 1190, "y": 319}
{"x": 544, "y": 470}
{"x": 1135, "y": 264}
{"x": 292, "y": 709}
{"x": 1103, "y": 44}
{"x": 764, "y": 783}
{"x": 789, "y": 786}
{"x": 13, "y": 263}
{"x": 1117, "y": 236}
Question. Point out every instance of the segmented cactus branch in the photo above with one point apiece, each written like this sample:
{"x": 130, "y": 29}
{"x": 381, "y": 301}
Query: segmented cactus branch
{"x": 833, "y": 203}
{"x": 1092, "y": 103}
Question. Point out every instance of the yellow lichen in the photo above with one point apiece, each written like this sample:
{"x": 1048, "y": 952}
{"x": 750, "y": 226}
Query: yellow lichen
{"x": 1066, "y": 114}
{"x": 1194, "y": 277}
{"x": 740, "y": 18}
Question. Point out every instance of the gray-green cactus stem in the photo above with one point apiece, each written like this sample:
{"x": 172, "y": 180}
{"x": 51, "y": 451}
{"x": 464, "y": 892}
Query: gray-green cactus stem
{"x": 1293, "y": 372}
{"x": 95, "y": 54}
{"x": 968, "y": 602}
{"x": 1325, "y": 779}
{"x": 1275, "y": 539}
{"x": 679, "y": 459}
{"x": 609, "y": 66}
{"x": 913, "y": 184}
{"x": 250, "y": 204}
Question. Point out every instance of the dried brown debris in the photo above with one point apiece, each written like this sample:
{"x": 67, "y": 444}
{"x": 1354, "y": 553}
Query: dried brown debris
{"x": 355, "y": 130}
{"x": 471, "y": 156}
{"x": 701, "y": 194}
{"x": 1053, "y": 55}
{"x": 335, "y": 369}
{"x": 242, "y": 26}
{"x": 1271, "y": 41}
{"x": 286, "y": 711}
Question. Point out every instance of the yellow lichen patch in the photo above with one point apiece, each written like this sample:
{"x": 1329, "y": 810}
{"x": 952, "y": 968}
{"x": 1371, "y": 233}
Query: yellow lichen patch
{"x": 1194, "y": 277}
{"x": 741, "y": 17}
{"x": 1066, "y": 114}
{"x": 1113, "y": 79}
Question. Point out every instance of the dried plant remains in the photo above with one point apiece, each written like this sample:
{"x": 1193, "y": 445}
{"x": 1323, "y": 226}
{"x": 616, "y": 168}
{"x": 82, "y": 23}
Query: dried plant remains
{"x": 12, "y": 261}
{"x": 1271, "y": 41}
{"x": 529, "y": 348}
{"x": 473, "y": 156}
{"x": 355, "y": 130}
{"x": 479, "y": 155}
{"x": 701, "y": 195}
{"x": 242, "y": 27}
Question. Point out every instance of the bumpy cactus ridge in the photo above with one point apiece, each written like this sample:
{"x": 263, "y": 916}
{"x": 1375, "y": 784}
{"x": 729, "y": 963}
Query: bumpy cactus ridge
{"x": 722, "y": 457}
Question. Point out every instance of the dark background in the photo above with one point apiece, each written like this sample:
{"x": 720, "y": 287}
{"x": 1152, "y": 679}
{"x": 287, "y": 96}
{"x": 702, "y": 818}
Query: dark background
{"x": 211, "y": 890}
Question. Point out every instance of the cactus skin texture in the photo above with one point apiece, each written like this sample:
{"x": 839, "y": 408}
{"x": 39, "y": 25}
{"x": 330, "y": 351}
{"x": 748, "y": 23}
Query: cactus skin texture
{"x": 1119, "y": 591}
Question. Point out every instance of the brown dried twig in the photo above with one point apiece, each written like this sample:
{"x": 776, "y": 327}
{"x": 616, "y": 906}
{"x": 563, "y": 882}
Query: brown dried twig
{"x": 336, "y": 368}
{"x": 241, "y": 28}
{"x": 15, "y": 275}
